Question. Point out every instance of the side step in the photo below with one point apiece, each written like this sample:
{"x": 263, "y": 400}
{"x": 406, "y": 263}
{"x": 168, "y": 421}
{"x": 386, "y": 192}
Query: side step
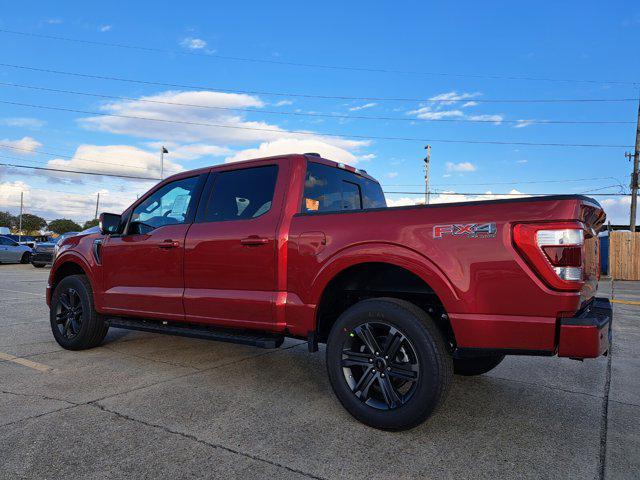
{"x": 243, "y": 337}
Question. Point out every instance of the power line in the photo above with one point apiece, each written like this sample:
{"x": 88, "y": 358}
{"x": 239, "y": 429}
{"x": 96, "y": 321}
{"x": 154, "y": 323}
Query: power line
{"x": 77, "y": 171}
{"x": 368, "y": 69}
{"x": 324, "y": 115}
{"x": 512, "y": 182}
{"x": 322, "y": 134}
{"x": 523, "y": 194}
{"x": 308, "y": 95}
{"x": 72, "y": 157}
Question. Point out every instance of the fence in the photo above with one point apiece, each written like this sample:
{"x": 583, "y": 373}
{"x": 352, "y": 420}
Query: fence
{"x": 624, "y": 255}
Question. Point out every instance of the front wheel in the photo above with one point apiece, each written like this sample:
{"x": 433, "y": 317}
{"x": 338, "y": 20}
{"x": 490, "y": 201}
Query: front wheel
{"x": 472, "y": 366}
{"x": 26, "y": 258}
{"x": 74, "y": 322}
{"x": 39, "y": 265}
{"x": 388, "y": 363}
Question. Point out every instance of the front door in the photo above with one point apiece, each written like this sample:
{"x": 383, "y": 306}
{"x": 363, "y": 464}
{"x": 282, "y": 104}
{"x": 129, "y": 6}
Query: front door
{"x": 143, "y": 268}
{"x": 230, "y": 252}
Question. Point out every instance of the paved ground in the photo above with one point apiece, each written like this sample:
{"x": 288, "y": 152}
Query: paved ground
{"x": 152, "y": 406}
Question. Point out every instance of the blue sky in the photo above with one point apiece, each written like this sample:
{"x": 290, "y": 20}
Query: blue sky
{"x": 467, "y": 41}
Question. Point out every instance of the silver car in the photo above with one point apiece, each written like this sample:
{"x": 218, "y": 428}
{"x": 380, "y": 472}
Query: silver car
{"x": 13, "y": 252}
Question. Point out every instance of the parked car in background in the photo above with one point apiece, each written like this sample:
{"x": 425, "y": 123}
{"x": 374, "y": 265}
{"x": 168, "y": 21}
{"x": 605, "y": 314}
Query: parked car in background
{"x": 12, "y": 252}
{"x": 59, "y": 240}
{"x": 43, "y": 253}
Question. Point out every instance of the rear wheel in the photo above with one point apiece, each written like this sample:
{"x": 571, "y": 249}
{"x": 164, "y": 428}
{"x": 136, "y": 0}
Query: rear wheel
{"x": 388, "y": 363}
{"x": 74, "y": 322}
{"x": 38, "y": 265}
{"x": 476, "y": 365}
{"x": 26, "y": 257}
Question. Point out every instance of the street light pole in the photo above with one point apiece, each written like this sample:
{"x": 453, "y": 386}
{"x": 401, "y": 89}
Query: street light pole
{"x": 426, "y": 174}
{"x": 634, "y": 175}
{"x": 163, "y": 150}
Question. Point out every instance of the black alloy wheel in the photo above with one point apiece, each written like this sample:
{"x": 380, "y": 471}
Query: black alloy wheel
{"x": 69, "y": 313}
{"x": 380, "y": 365}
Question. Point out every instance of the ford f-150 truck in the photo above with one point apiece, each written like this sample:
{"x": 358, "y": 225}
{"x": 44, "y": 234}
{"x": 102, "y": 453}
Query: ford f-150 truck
{"x": 300, "y": 246}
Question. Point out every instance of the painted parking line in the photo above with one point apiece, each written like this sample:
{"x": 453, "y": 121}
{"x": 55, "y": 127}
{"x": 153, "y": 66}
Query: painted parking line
{"x": 26, "y": 293}
{"x": 625, "y": 302}
{"x": 25, "y": 362}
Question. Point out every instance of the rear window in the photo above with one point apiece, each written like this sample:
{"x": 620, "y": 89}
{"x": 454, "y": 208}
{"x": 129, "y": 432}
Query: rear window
{"x": 329, "y": 189}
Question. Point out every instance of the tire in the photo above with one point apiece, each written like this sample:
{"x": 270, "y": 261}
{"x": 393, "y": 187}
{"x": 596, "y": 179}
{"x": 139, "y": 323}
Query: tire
{"x": 26, "y": 258}
{"x": 476, "y": 365}
{"x": 418, "y": 369}
{"x": 38, "y": 265}
{"x": 76, "y": 328}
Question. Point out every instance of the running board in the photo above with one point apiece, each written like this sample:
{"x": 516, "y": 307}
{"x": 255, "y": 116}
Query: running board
{"x": 243, "y": 337}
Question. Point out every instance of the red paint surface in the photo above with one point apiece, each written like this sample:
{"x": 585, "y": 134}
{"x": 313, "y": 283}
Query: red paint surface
{"x": 492, "y": 296}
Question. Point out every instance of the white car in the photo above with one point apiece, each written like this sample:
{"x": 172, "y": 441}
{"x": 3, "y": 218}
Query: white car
{"x": 13, "y": 252}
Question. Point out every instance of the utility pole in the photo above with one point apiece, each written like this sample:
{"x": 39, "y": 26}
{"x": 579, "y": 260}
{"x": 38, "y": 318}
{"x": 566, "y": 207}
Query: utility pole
{"x": 97, "y": 204}
{"x": 427, "y": 159}
{"x": 163, "y": 150}
{"x": 20, "y": 221}
{"x": 634, "y": 175}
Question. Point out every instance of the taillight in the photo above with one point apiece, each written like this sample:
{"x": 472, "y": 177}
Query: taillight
{"x": 554, "y": 251}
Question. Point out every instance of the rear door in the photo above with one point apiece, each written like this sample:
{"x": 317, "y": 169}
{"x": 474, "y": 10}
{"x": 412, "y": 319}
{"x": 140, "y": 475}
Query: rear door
{"x": 230, "y": 253}
{"x": 143, "y": 268}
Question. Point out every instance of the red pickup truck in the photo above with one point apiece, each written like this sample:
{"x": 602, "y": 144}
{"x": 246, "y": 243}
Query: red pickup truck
{"x": 300, "y": 246}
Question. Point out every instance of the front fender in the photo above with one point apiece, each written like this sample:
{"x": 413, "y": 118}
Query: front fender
{"x": 78, "y": 260}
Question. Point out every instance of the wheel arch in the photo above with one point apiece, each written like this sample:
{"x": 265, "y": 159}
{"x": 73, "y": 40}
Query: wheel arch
{"x": 69, "y": 263}
{"x": 379, "y": 269}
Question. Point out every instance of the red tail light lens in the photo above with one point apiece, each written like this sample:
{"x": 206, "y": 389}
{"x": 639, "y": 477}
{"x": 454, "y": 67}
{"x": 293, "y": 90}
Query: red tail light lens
{"x": 554, "y": 251}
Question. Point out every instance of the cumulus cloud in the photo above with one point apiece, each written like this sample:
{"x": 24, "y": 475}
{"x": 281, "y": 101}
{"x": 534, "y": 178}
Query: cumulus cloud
{"x": 617, "y": 209}
{"x": 23, "y": 122}
{"x": 194, "y": 109}
{"x": 362, "y": 107}
{"x": 451, "y": 197}
{"x": 332, "y": 151}
{"x": 192, "y": 43}
{"x": 51, "y": 204}
{"x": 115, "y": 160}
{"x": 460, "y": 167}
{"x": 451, "y": 105}
{"x": 191, "y": 151}
{"x": 23, "y": 146}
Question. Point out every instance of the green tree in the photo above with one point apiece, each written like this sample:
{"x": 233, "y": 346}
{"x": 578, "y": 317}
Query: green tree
{"x": 7, "y": 220}
{"x": 90, "y": 223}
{"x": 31, "y": 223}
{"x": 63, "y": 225}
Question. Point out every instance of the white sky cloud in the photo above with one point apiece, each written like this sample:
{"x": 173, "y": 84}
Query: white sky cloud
{"x": 51, "y": 204}
{"x": 362, "y": 107}
{"x": 441, "y": 106}
{"x": 298, "y": 145}
{"x": 25, "y": 122}
{"x": 23, "y": 146}
{"x": 460, "y": 167}
{"x": 282, "y": 103}
{"x": 105, "y": 28}
{"x": 190, "y": 151}
{"x": 193, "y": 43}
{"x": 115, "y": 159}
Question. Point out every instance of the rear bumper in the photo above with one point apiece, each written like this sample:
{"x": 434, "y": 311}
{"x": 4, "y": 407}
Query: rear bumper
{"x": 588, "y": 333}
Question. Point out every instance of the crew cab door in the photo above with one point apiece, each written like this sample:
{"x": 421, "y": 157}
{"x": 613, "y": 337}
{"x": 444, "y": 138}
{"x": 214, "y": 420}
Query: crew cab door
{"x": 230, "y": 250}
{"x": 142, "y": 269}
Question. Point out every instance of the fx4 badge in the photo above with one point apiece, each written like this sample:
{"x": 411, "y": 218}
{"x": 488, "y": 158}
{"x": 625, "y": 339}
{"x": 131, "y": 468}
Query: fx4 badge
{"x": 468, "y": 230}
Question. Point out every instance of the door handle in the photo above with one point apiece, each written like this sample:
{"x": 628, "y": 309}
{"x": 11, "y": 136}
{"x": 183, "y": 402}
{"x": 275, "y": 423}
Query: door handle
{"x": 254, "y": 240}
{"x": 169, "y": 244}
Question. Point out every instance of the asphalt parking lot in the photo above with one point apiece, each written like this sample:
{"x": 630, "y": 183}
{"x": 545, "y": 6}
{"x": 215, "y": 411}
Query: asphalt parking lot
{"x": 152, "y": 406}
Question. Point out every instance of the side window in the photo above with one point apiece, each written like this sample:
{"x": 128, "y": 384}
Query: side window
{"x": 5, "y": 242}
{"x": 167, "y": 206}
{"x": 372, "y": 194}
{"x": 326, "y": 189}
{"x": 241, "y": 194}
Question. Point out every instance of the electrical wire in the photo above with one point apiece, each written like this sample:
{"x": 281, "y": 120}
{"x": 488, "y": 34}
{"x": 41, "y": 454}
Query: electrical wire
{"x": 322, "y": 134}
{"x": 325, "y": 115}
{"x": 309, "y": 95}
{"x": 367, "y": 69}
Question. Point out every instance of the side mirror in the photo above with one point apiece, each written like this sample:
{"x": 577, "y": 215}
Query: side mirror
{"x": 109, "y": 223}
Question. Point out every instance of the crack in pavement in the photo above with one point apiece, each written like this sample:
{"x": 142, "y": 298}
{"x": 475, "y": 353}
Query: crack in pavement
{"x": 206, "y": 443}
{"x": 551, "y": 387}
